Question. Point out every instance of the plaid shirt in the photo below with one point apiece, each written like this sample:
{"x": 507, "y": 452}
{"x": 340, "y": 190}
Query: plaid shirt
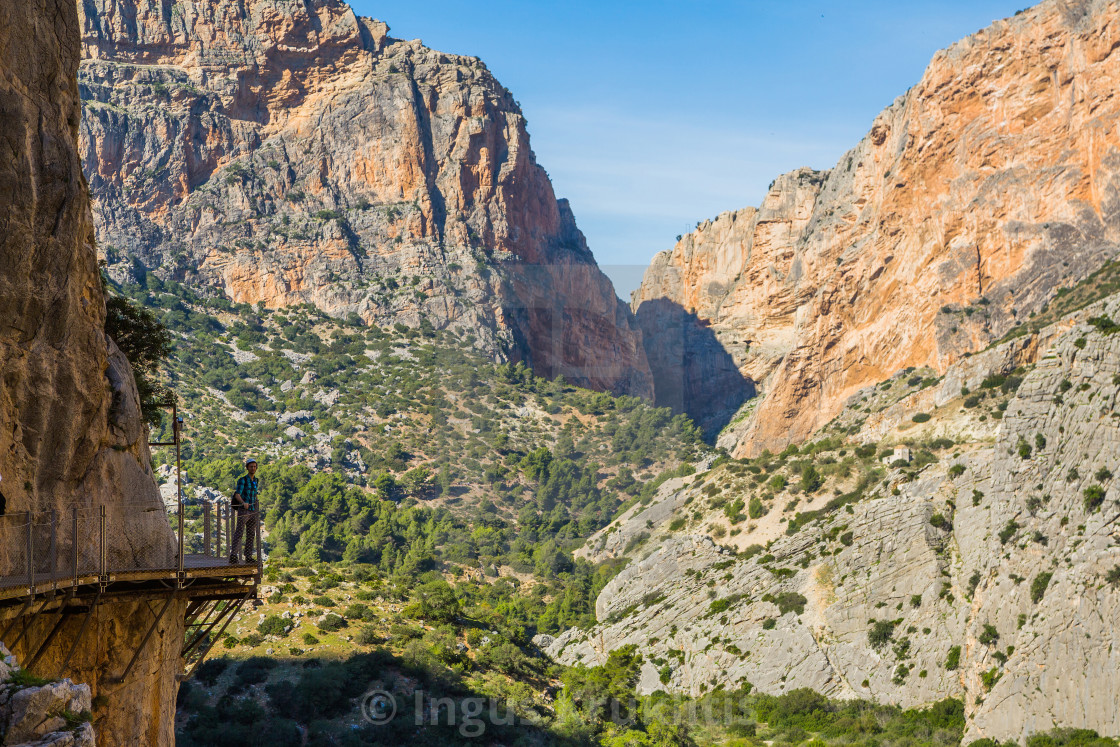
{"x": 247, "y": 488}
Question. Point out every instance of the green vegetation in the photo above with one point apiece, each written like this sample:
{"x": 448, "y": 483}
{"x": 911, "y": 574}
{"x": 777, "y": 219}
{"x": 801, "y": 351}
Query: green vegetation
{"x": 953, "y": 659}
{"x": 1094, "y": 497}
{"x": 881, "y": 633}
{"x": 1038, "y": 586}
{"x": 146, "y": 343}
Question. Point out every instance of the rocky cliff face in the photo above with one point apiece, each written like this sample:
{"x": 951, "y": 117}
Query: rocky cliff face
{"x": 975, "y": 196}
{"x": 290, "y": 152}
{"x": 987, "y": 570}
{"x": 70, "y": 434}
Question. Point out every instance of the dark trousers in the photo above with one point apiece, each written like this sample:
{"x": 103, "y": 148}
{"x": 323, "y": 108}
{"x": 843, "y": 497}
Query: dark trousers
{"x": 245, "y": 531}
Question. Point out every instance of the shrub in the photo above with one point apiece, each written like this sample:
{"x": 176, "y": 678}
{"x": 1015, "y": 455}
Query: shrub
{"x": 769, "y": 623}
{"x": 921, "y": 417}
{"x": 790, "y": 601}
{"x": 1094, "y": 497}
{"x": 881, "y": 633}
{"x": 1038, "y": 586}
{"x": 210, "y": 670}
{"x": 940, "y": 522}
{"x": 357, "y": 611}
{"x": 755, "y": 509}
{"x": 1024, "y": 448}
{"x": 990, "y": 678}
{"x": 367, "y": 636}
{"x": 434, "y": 600}
{"x": 956, "y": 470}
{"x": 331, "y": 622}
{"x": 810, "y": 479}
{"x": 1105, "y": 324}
{"x": 1113, "y": 576}
{"x": 677, "y": 524}
{"x": 273, "y": 625}
{"x": 145, "y": 342}
{"x": 717, "y": 606}
{"x": 309, "y": 639}
{"x": 323, "y": 601}
{"x": 989, "y": 636}
{"x": 254, "y": 670}
{"x": 1008, "y": 532}
{"x": 953, "y": 660}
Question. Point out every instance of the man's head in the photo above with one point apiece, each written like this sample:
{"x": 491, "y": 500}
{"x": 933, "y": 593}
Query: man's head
{"x": 251, "y": 467}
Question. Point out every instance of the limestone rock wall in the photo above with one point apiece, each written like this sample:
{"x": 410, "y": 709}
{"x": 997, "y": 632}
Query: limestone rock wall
{"x": 284, "y": 152}
{"x": 974, "y": 197}
{"x": 1032, "y": 654}
{"x": 70, "y": 435}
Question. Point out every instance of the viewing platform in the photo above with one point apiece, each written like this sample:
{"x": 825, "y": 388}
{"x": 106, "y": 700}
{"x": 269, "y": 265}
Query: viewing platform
{"x": 64, "y": 564}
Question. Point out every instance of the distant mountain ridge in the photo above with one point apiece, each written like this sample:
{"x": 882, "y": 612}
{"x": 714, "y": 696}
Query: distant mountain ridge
{"x": 287, "y": 152}
{"x": 973, "y": 198}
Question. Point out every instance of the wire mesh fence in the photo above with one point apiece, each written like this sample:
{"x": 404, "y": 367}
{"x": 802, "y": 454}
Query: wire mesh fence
{"x": 45, "y": 549}
{"x": 15, "y": 568}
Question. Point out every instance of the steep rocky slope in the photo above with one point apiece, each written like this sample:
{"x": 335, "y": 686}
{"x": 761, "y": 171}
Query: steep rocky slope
{"x": 972, "y": 199}
{"x": 70, "y": 431}
{"x": 982, "y": 563}
{"x": 286, "y": 152}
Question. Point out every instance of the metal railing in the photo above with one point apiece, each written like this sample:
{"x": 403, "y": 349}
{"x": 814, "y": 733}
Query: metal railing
{"x": 49, "y": 550}
{"x": 57, "y": 549}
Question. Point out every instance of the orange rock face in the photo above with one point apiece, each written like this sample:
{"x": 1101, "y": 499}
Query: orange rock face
{"x": 285, "y": 152}
{"x": 975, "y": 196}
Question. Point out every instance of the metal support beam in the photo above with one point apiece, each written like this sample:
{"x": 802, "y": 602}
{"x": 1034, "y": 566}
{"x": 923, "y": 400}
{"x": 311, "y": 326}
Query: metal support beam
{"x": 61, "y": 612}
{"x": 12, "y": 623}
{"x": 27, "y": 625}
{"x": 235, "y": 608}
{"x": 208, "y": 626}
{"x": 78, "y": 637}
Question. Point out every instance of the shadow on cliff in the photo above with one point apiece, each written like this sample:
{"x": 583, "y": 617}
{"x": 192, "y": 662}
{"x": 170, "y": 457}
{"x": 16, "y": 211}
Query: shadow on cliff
{"x": 692, "y": 372}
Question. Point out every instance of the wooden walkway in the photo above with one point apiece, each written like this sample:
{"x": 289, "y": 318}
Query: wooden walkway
{"x": 195, "y": 567}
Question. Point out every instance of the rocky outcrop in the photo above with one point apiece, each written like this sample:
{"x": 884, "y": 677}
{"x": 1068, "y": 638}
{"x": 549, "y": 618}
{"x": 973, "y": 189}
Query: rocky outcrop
{"x": 69, "y": 429}
{"x": 54, "y": 714}
{"x": 992, "y": 575}
{"x": 285, "y": 152}
{"x": 975, "y": 196}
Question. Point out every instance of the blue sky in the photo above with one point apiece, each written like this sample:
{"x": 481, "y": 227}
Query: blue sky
{"x": 652, "y": 116}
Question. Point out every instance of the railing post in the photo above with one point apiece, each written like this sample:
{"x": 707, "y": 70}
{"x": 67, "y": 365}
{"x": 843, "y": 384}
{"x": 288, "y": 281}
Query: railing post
{"x": 178, "y": 481}
{"x": 54, "y": 548}
{"x": 206, "y": 528}
{"x": 30, "y": 553}
{"x": 229, "y": 527}
{"x": 260, "y": 550}
{"x": 74, "y": 541}
{"x": 101, "y": 521}
{"x": 218, "y": 526}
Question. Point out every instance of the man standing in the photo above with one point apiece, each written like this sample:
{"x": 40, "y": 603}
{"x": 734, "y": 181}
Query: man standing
{"x": 245, "y": 506}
